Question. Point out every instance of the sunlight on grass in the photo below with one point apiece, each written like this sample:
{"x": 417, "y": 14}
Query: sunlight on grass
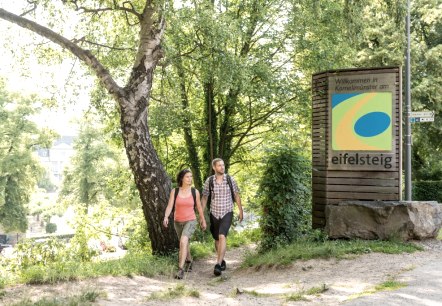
{"x": 85, "y": 299}
{"x": 317, "y": 290}
{"x": 388, "y": 285}
{"x": 295, "y": 297}
{"x": 174, "y": 293}
{"x": 146, "y": 265}
{"x": 305, "y": 250}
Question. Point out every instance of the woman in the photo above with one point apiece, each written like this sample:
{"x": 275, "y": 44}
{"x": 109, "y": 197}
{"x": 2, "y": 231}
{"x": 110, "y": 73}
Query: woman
{"x": 184, "y": 216}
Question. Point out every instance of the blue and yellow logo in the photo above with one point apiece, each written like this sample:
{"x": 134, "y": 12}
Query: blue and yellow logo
{"x": 362, "y": 121}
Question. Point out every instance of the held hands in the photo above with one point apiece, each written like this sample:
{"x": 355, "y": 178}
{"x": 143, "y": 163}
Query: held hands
{"x": 203, "y": 224}
{"x": 165, "y": 222}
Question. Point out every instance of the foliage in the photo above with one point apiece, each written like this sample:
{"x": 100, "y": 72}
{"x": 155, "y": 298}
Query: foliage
{"x": 45, "y": 183}
{"x": 19, "y": 170}
{"x": 427, "y": 191}
{"x": 227, "y": 88}
{"x": 426, "y": 89}
{"x": 44, "y": 205}
{"x": 131, "y": 264}
{"x": 39, "y": 253}
{"x": 284, "y": 195}
{"x": 307, "y": 249}
{"x": 136, "y": 230}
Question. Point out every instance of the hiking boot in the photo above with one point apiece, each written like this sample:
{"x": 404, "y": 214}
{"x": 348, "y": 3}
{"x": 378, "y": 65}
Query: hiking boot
{"x": 217, "y": 270}
{"x": 180, "y": 274}
{"x": 223, "y": 265}
{"x": 188, "y": 265}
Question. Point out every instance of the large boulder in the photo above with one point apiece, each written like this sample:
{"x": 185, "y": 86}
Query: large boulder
{"x": 383, "y": 220}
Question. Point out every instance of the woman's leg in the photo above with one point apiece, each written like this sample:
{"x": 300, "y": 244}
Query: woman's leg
{"x": 184, "y": 243}
{"x": 188, "y": 256}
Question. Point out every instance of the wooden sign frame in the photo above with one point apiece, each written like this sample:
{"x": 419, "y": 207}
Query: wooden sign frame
{"x": 356, "y": 137}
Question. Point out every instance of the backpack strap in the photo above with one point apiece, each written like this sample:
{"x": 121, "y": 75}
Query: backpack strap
{"x": 194, "y": 197}
{"x": 176, "y": 194}
{"x": 174, "y": 199}
{"x": 229, "y": 181}
{"x": 209, "y": 198}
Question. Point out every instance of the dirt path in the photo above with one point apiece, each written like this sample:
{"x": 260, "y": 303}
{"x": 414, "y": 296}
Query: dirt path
{"x": 343, "y": 278}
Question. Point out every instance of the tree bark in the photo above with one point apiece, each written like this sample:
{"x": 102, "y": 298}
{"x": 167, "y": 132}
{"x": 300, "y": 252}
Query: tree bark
{"x": 152, "y": 181}
{"x": 211, "y": 125}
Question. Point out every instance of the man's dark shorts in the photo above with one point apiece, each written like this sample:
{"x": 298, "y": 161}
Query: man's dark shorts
{"x": 220, "y": 226}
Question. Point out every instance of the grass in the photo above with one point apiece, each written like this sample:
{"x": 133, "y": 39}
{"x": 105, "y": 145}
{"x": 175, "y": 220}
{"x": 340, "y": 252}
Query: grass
{"x": 295, "y": 297}
{"x": 439, "y": 237}
{"x": 84, "y": 299}
{"x": 317, "y": 290}
{"x": 206, "y": 247}
{"x": 305, "y": 250}
{"x": 129, "y": 265}
{"x": 173, "y": 293}
{"x": 298, "y": 296}
{"x": 388, "y": 285}
{"x": 301, "y": 295}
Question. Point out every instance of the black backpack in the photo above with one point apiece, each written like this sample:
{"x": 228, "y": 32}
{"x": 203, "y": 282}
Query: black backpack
{"x": 193, "y": 195}
{"x": 211, "y": 186}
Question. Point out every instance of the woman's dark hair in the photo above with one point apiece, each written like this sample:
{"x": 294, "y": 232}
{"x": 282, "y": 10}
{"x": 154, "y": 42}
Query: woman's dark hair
{"x": 180, "y": 176}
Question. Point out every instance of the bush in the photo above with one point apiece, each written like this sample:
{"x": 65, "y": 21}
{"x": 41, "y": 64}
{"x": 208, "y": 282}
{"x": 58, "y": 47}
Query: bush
{"x": 31, "y": 253}
{"x": 427, "y": 191}
{"x": 284, "y": 197}
{"x": 51, "y": 228}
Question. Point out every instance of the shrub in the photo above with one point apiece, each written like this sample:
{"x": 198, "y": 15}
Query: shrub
{"x": 31, "y": 252}
{"x": 427, "y": 191}
{"x": 284, "y": 197}
{"x": 51, "y": 228}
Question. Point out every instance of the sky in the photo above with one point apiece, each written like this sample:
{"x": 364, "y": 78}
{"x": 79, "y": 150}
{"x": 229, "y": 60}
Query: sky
{"x": 26, "y": 74}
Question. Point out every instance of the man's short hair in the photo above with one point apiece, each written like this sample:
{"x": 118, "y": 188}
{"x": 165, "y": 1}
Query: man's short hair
{"x": 215, "y": 161}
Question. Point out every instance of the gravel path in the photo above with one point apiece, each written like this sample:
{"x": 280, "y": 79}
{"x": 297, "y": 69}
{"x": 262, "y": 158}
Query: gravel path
{"x": 344, "y": 280}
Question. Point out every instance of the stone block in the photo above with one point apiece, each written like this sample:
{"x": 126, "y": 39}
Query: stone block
{"x": 383, "y": 219}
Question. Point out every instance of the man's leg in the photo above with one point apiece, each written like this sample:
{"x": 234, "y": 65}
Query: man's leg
{"x": 221, "y": 249}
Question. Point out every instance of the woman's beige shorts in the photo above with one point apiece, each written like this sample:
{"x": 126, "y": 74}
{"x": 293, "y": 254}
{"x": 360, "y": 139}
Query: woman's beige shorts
{"x": 185, "y": 228}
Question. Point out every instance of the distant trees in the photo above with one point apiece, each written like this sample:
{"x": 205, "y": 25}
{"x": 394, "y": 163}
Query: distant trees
{"x": 19, "y": 170}
{"x": 98, "y": 171}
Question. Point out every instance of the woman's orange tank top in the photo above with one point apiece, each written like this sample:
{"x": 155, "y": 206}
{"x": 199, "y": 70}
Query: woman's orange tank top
{"x": 184, "y": 209}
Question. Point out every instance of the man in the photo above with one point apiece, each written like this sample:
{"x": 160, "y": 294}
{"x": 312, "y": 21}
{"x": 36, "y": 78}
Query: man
{"x": 222, "y": 189}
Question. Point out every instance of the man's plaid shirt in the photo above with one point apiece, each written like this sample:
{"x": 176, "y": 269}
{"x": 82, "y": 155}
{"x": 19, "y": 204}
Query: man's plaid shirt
{"x": 221, "y": 202}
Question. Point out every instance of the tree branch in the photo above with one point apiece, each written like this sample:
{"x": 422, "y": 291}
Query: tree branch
{"x": 34, "y": 7}
{"x": 84, "y": 55}
{"x": 106, "y": 9}
{"x": 83, "y": 39}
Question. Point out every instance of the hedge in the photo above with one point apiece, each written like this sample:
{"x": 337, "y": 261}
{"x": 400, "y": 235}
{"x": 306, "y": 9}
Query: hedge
{"x": 427, "y": 191}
